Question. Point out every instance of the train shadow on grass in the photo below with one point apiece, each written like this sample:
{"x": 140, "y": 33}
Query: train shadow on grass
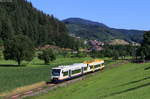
{"x": 130, "y": 89}
{"x": 126, "y": 90}
{"x": 147, "y": 68}
{"x": 135, "y": 81}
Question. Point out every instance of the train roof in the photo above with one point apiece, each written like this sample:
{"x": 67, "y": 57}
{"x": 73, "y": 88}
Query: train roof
{"x": 79, "y": 65}
{"x": 72, "y": 67}
{"x": 94, "y": 61}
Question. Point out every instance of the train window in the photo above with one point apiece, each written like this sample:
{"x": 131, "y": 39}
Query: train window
{"x": 55, "y": 72}
{"x": 91, "y": 67}
{"x": 76, "y": 71}
{"x": 65, "y": 73}
{"x": 96, "y": 66}
{"x": 85, "y": 68}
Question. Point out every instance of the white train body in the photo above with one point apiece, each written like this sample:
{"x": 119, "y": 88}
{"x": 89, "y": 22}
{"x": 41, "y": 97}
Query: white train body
{"x": 71, "y": 71}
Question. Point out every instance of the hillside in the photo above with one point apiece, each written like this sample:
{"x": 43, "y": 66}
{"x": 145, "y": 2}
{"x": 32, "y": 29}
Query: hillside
{"x": 118, "y": 42}
{"x": 20, "y": 17}
{"x": 93, "y": 30}
{"x": 128, "y": 81}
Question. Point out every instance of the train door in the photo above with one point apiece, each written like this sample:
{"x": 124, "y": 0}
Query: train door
{"x": 70, "y": 73}
{"x": 88, "y": 67}
{"x": 82, "y": 70}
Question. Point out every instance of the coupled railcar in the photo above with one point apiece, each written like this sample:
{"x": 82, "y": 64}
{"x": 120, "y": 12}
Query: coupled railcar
{"x": 62, "y": 73}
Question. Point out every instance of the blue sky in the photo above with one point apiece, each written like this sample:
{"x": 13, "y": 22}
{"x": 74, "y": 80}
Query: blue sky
{"x": 128, "y": 14}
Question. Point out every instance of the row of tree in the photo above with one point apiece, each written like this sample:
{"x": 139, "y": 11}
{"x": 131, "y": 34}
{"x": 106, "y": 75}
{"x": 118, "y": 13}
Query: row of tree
{"x": 21, "y": 48}
{"x": 121, "y": 51}
{"x": 115, "y": 51}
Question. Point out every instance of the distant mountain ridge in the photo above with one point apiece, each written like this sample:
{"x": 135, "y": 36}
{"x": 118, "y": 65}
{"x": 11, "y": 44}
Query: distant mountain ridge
{"x": 84, "y": 21}
{"x": 87, "y": 29}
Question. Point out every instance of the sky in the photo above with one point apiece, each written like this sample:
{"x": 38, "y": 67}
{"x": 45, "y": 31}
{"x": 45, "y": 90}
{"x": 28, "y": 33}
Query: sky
{"x": 125, "y": 14}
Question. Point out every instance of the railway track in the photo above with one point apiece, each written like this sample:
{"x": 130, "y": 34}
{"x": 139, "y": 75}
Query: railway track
{"x": 50, "y": 86}
{"x": 44, "y": 89}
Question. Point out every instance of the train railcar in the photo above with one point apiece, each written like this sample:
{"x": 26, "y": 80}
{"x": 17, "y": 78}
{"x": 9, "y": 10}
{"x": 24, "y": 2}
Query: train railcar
{"x": 62, "y": 73}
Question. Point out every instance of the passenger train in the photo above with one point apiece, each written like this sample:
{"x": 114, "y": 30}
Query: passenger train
{"x": 67, "y": 72}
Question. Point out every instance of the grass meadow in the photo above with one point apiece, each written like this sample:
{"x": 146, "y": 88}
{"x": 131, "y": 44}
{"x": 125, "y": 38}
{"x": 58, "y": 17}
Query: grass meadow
{"x": 128, "y": 81}
{"x": 12, "y": 76}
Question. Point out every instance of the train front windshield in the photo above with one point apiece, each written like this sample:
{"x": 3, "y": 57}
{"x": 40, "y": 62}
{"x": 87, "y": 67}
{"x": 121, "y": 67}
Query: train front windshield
{"x": 55, "y": 72}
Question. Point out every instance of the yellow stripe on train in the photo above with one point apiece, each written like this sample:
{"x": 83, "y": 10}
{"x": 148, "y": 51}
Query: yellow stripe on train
{"x": 95, "y": 60}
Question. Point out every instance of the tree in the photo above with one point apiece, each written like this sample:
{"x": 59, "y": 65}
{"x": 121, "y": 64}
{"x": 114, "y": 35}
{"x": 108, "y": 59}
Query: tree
{"x": 80, "y": 54}
{"x": 47, "y": 55}
{"x": 1, "y": 48}
{"x": 146, "y": 45}
{"x": 1, "y": 55}
{"x": 123, "y": 54}
{"x": 144, "y": 51}
{"x": 116, "y": 55}
{"x": 18, "y": 48}
{"x": 6, "y": 29}
{"x": 142, "y": 56}
{"x": 1, "y": 42}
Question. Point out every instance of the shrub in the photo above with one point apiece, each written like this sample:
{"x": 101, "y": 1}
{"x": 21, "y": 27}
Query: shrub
{"x": 47, "y": 55}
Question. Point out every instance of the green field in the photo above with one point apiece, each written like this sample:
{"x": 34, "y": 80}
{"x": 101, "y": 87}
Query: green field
{"x": 12, "y": 76}
{"x": 128, "y": 81}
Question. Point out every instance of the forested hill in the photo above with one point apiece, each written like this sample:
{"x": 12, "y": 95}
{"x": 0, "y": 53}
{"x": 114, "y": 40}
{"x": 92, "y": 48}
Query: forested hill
{"x": 20, "y": 17}
{"x": 93, "y": 30}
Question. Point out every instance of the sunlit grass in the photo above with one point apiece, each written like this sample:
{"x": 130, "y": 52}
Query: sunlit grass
{"x": 129, "y": 81}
